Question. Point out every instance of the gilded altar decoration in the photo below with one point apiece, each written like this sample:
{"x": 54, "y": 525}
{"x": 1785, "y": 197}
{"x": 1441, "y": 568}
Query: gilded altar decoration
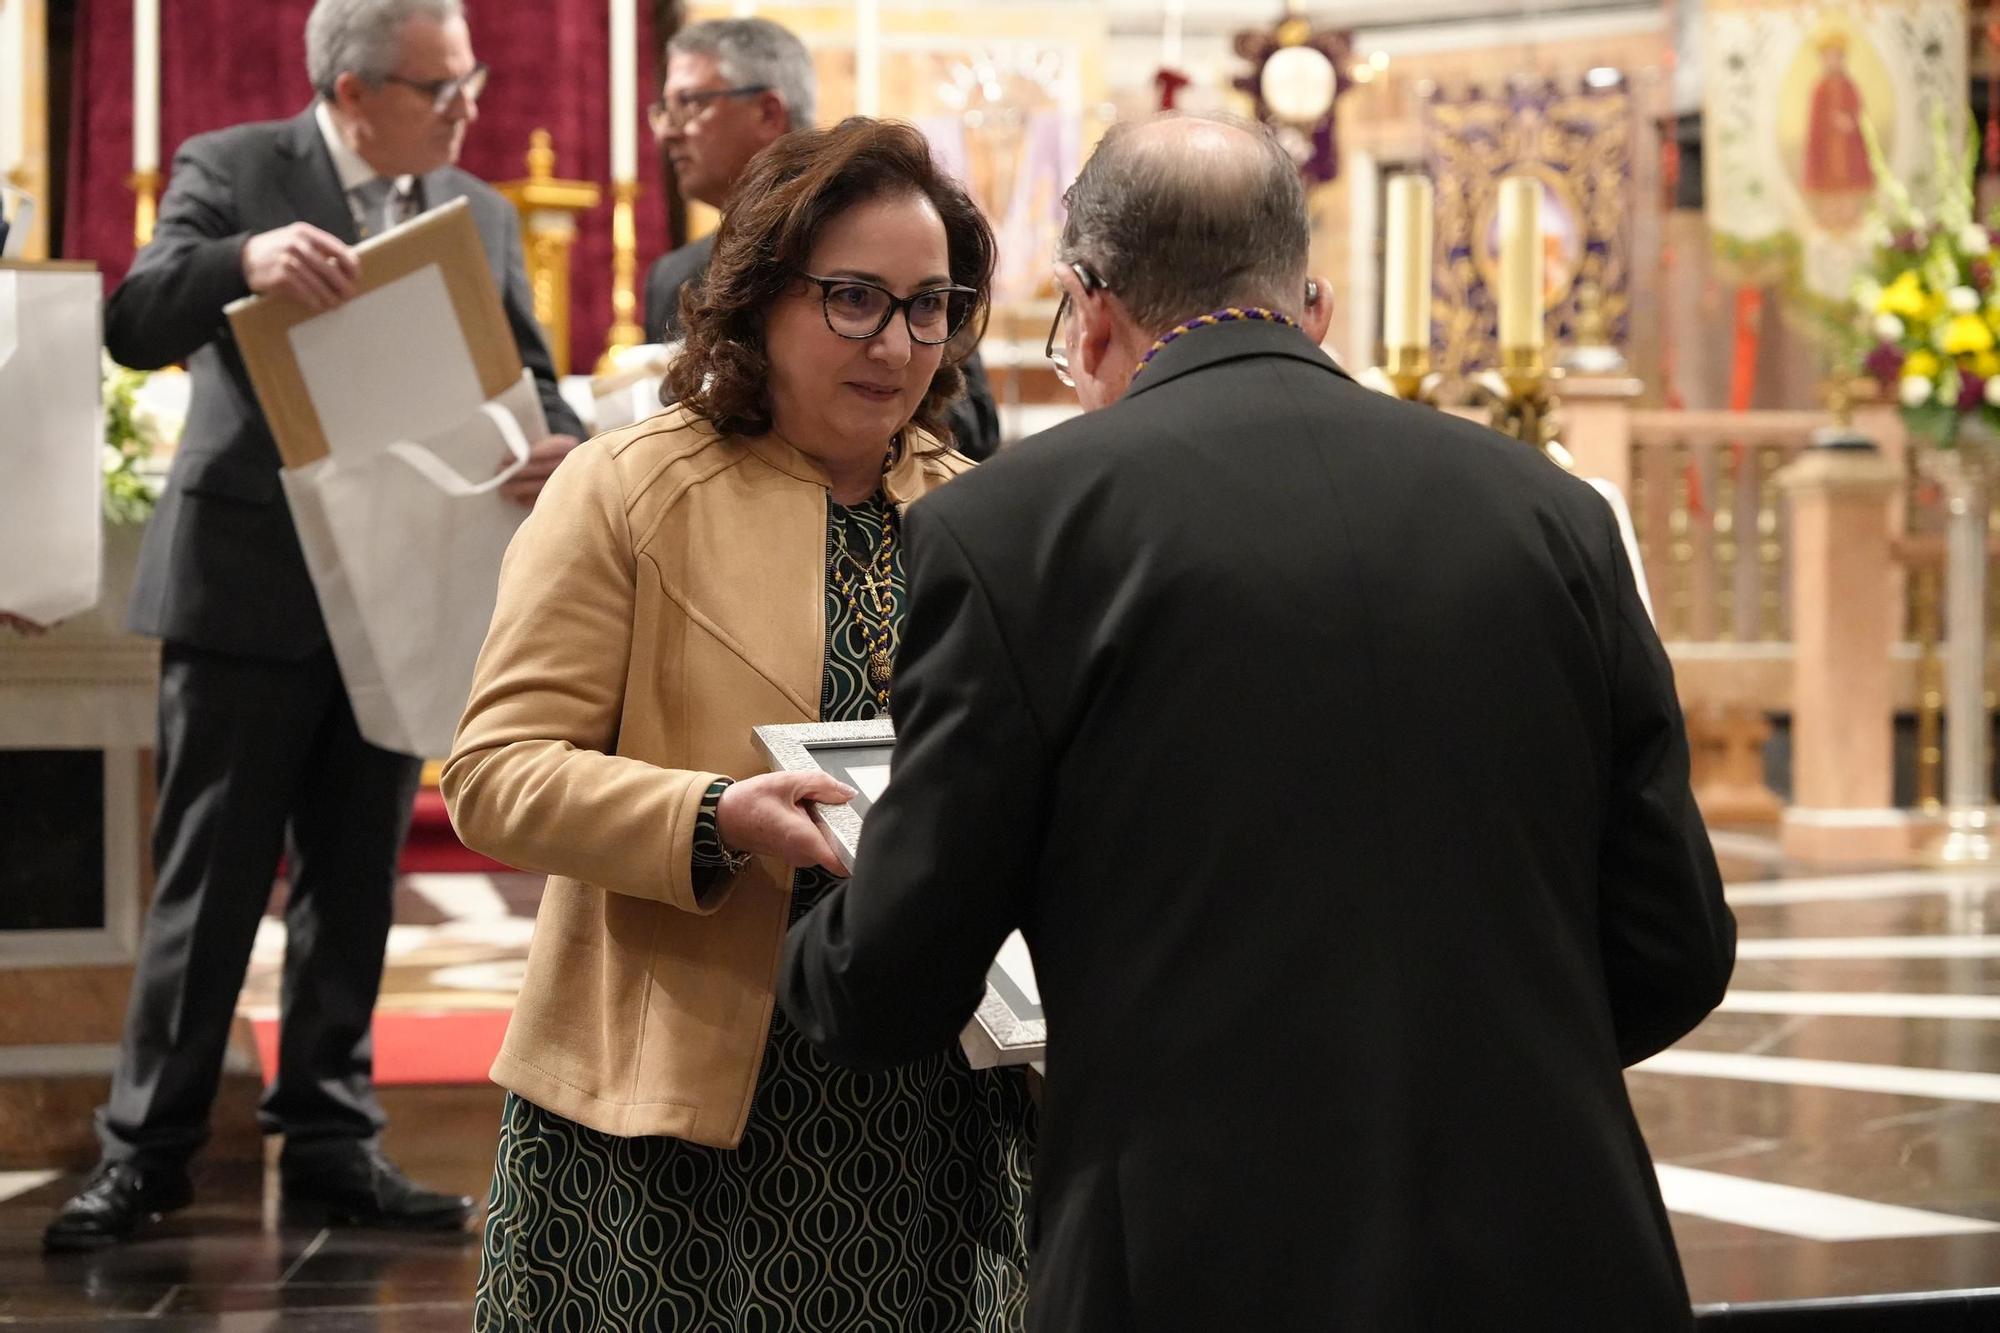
{"x": 1792, "y": 92}
{"x": 1576, "y": 144}
{"x": 1297, "y": 75}
{"x": 549, "y": 208}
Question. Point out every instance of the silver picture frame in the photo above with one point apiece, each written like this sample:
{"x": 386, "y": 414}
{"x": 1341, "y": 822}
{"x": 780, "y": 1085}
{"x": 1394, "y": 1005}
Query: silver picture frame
{"x": 1008, "y": 1027}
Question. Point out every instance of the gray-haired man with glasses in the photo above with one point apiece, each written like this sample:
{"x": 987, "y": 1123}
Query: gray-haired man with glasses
{"x": 733, "y": 87}
{"x": 258, "y": 753}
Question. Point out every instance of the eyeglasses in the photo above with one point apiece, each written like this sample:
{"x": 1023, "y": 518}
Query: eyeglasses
{"x": 444, "y": 92}
{"x": 1057, "y": 347}
{"x": 860, "y": 310}
{"x": 678, "y": 110}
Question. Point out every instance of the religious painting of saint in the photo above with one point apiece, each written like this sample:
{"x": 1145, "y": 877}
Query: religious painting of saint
{"x": 1836, "y": 80}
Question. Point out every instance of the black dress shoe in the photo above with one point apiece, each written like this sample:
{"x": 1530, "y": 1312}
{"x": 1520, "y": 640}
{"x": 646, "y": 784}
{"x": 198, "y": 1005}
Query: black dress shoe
{"x": 362, "y": 1188}
{"x": 116, "y": 1200}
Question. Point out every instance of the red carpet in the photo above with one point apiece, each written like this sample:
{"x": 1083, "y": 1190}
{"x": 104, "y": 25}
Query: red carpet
{"x": 410, "y": 1048}
{"x": 432, "y": 845}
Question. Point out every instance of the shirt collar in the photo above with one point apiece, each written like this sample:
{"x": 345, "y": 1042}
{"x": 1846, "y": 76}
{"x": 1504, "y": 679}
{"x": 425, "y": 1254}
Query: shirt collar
{"x": 354, "y": 172}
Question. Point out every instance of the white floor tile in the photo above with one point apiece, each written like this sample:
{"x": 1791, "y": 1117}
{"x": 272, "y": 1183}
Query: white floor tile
{"x": 1947, "y": 1084}
{"x": 1847, "y": 1004}
{"x": 1812, "y": 1214}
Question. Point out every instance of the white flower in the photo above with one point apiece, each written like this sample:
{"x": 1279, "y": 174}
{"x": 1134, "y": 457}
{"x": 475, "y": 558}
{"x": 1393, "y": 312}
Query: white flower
{"x": 1974, "y": 240}
{"x": 1962, "y": 300}
{"x": 1868, "y": 292}
{"x": 1888, "y": 328}
{"x": 1917, "y": 390}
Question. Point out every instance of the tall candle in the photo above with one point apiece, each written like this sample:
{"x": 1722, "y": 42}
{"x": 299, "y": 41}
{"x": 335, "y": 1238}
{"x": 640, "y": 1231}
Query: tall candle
{"x": 145, "y": 85}
{"x": 1171, "y": 34}
{"x": 868, "y": 57}
{"x": 624, "y": 90}
{"x": 1520, "y": 263}
{"x": 1406, "y": 295}
{"x": 14, "y": 100}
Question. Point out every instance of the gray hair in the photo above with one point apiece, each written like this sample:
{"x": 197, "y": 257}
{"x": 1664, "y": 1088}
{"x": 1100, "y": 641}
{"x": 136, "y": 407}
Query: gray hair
{"x": 1177, "y": 227}
{"x": 364, "y": 37}
{"x": 754, "y": 50}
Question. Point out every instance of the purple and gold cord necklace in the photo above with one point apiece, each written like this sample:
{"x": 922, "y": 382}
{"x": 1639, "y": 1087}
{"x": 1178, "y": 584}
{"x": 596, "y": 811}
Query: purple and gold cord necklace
{"x": 1227, "y": 315}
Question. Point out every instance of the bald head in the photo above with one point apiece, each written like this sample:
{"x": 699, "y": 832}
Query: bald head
{"x": 1181, "y": 215}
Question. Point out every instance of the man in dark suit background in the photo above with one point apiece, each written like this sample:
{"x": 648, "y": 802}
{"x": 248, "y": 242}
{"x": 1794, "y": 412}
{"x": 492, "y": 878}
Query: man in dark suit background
{"x": 1320, "y": 747}
{"x": 258, "y": 751}
{"x": 734, "y": 87}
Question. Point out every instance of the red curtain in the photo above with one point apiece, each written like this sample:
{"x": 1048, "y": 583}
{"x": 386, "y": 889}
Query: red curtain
{"x": 224, "y": 62}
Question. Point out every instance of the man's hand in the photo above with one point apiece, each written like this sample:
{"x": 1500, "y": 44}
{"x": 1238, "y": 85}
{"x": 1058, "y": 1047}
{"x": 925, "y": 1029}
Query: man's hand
{"x": 767, "y": 816}
{"x": 525, "y": 485}
{"x": 314, "y": 268}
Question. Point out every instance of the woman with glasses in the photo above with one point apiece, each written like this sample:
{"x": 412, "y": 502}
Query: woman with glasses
{"x": 672, "y": 1154}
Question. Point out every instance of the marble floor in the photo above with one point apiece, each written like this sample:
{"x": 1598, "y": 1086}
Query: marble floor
{"x": 1832, "y": 1131}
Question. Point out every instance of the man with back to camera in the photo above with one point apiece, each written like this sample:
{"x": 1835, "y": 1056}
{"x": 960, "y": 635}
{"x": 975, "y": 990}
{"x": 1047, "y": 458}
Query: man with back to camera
{"x": 733, "y": 87}
{"x": 1320, "y": 747}
{"x": 259, "y": 754}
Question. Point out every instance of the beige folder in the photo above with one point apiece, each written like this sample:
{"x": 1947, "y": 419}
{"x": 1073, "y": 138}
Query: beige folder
{"x": 444, "y": 237}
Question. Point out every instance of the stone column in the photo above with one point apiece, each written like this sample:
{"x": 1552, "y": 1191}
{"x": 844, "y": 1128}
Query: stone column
{"x": 1843, "y": 629}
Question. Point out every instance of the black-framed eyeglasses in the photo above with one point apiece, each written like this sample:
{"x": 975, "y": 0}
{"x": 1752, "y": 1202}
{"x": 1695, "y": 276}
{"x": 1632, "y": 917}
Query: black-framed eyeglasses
{"x": 1057, "y": 349}
{"x": 672, "y": 112}
{"x": 860, "y": 310}
{"x": 443, "y": 92}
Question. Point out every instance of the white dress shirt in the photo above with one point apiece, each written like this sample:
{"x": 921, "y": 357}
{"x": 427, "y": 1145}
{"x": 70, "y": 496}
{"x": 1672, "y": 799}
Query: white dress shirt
{"x": 355, "y": 176}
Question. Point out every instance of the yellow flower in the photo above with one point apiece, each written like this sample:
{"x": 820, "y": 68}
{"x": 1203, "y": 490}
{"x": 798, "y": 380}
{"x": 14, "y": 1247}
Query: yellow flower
{"x": 1905, "y": 297}
{"x": 1966, "y": 333}
{"x": 1986, "y": 364}
{"x": 1922, "y": 363}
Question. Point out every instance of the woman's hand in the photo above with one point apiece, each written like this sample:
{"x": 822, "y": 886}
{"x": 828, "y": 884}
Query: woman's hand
{"x": 767, "y": 816}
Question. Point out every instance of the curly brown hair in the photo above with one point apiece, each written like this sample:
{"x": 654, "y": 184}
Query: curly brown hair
{"x": 792, "y": 190}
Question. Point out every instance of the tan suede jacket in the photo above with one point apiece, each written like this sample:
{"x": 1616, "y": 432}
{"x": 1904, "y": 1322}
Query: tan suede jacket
{"x": 666, "y": 595}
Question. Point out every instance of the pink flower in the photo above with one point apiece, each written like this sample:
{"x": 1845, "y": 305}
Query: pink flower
{"x": 1885, "y": 363}
{"x": 1971, "y": 391}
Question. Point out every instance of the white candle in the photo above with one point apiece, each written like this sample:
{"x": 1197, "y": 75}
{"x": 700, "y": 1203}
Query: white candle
{"x": 1406, "y": 296}
{"x": 624, "y": 90}
{"x": 868, "y": 57}
{"x": 145, "y": 85}
{"x": 1520, "y": 263}
{"x": 1170, "y": 34}
{"x": 14, "y": 101}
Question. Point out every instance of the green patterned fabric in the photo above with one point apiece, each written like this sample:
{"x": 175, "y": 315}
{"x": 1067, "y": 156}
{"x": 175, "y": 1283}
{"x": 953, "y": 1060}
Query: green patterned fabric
{"x": 856, "y": 1203}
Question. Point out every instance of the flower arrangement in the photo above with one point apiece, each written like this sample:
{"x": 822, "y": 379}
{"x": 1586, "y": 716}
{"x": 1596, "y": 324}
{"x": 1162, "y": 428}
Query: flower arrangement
{"x": 137, "y": 426}
{"x": 1930, "y": 304}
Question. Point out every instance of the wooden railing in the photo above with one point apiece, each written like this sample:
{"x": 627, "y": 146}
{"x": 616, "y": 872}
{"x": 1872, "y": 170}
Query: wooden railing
{"x": 1712, "y": 525}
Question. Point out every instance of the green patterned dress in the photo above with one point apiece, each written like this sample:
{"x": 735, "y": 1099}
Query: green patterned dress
{"x": 856, "y": 1203}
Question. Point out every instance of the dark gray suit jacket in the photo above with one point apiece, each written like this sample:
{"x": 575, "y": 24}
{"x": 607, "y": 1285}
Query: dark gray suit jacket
{"x": 671, "y": 272}
{"x": 221, "y": 567}
{"x": 1320, "y": 747}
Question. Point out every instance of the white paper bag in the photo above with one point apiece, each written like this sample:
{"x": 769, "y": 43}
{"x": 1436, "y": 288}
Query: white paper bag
{"x": 51, "y": 443}
{"x": 1626, "y": 533}
{"x": 404, "y": 546}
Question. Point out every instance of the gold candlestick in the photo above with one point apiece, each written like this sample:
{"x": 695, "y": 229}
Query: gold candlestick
{"x": 548, "y": 209}
{"x": 1408, "y": 371}
{"x": 145, "y": 186}
{"x": 1524, "y": 403}
{"x": 625, "y": 330}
